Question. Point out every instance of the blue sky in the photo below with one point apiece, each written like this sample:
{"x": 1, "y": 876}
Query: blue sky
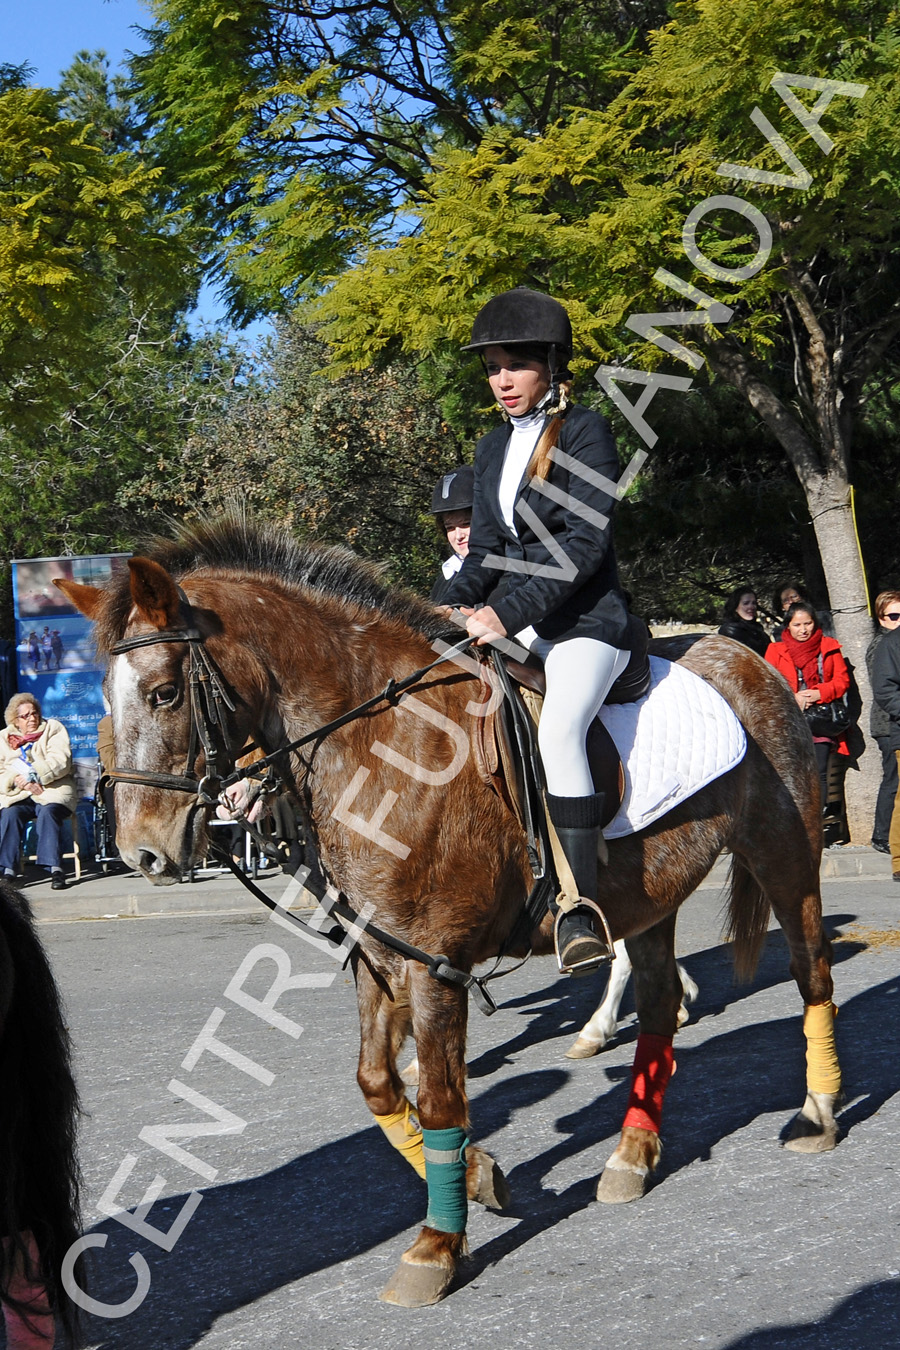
{"x": 46, "y": 34}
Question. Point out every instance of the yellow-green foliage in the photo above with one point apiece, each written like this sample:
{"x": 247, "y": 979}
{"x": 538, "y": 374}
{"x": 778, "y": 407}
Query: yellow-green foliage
{"x": 75, "y": 226}
{"x": 593, "y": 206}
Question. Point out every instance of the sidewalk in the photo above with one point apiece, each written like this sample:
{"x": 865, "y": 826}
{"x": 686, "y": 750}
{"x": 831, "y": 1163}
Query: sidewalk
{"x": 128, "y": 895}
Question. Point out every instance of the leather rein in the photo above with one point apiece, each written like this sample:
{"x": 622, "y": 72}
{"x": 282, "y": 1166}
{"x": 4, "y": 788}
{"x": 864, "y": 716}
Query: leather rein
{"x": 209, "y": 703}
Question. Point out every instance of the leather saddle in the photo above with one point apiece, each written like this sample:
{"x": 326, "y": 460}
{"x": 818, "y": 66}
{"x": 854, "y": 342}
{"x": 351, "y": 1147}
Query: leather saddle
{"x": 497, "y": 744}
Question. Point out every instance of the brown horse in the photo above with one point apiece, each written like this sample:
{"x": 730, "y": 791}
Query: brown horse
{"x": 302, "y": 634}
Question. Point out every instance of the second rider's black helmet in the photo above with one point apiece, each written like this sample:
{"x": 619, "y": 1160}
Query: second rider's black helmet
{"x": 455, "y": 491}
{"x": 522, "y": 317}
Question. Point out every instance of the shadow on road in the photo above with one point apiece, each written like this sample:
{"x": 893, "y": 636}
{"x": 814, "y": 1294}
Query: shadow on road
{"x": 867, "y": 1318}
{"x": 348, "y": 1196}
{"x": 720, "y": 1088}
{"x": 563, "y": 1007}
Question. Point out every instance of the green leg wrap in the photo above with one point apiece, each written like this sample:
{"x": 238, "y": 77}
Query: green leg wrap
{"x": 445, "y": 1173}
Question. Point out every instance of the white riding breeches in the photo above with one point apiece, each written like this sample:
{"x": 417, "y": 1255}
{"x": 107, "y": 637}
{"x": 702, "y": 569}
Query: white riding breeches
{"x": 580, "y": 673}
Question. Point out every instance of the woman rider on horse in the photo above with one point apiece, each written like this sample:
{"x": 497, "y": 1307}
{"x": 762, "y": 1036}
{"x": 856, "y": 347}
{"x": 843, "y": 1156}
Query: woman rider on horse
{"x": 543, "y": 500}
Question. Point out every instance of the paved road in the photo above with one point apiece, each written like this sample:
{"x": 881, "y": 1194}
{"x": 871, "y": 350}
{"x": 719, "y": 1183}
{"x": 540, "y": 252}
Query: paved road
{"x": 97, "y": 896}
{"x": 306, "y": 1210}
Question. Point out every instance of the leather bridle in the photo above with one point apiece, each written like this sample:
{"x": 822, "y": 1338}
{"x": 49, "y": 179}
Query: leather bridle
{"x": 209, "y": 705}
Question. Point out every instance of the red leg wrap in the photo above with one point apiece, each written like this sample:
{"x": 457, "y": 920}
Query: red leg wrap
{"x": 654, "y": 1064}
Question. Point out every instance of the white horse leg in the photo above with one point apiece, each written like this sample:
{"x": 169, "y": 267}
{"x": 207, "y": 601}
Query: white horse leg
{"x": 410, "y": 1075}
{"x": 601, "y": 1028}
{"x": 690, "y": 992}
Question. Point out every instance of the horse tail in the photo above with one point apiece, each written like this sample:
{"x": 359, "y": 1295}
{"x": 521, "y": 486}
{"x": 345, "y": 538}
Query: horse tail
{"x": 748, "y": 919}
{"x": 39, "y": 1108}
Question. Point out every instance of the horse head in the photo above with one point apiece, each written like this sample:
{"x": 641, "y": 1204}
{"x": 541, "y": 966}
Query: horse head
{"x": 176, "y": 717}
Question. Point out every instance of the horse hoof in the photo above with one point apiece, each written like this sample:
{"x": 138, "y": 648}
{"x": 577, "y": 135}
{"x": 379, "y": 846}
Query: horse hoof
{"x": 485, "y": 1182}
{"x": 617, "y": 1186}
{"x": 809, "y": 1137}
{"x": 584, "y": 1049}
{"x": 416, "y": 1286}
{"x": 814, "y": 1128}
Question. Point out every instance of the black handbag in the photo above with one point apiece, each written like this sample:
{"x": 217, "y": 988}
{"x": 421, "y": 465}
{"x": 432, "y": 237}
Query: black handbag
{"x": 831, "y": 720}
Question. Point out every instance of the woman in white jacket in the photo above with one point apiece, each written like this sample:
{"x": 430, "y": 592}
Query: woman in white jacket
{"x": 37, "y": 781}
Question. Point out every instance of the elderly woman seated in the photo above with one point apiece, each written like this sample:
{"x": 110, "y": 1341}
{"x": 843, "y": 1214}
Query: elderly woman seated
{"x": 36, "y": 782}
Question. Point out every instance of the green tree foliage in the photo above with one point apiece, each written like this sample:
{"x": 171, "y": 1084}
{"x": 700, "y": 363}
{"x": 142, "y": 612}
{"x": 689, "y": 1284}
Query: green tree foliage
{"x": 595, "y": 207}
{"x": 302, "y": 132}
{"x": 351, "y": 461}
{"x": 89, "y": 93}
{"x": 101, "y": 373}
{"x": 68, "y": 486}
{"x": 79, "y": 230}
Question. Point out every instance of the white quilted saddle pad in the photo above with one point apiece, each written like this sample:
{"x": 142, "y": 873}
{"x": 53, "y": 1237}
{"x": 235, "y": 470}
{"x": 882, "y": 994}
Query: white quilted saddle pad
{"x": 672, "y": 742}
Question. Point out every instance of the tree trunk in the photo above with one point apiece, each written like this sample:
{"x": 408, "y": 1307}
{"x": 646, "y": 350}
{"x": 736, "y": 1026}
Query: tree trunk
{"x": 828, "y": 497}
{"x": 829, "y": 504}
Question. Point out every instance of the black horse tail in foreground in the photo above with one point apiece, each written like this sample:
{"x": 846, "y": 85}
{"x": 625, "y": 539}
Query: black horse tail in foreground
{"x": 39, "y": 1209}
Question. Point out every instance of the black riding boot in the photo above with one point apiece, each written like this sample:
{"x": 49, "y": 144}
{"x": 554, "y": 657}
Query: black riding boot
{"x": 577, "y": 824}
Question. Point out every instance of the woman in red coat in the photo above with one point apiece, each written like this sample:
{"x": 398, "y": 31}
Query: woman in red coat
{"x": 814, "y": 667}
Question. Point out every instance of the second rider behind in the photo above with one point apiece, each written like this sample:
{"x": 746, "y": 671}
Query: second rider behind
{"x": 451, "y": 506}
{"x": 543, "y": 499}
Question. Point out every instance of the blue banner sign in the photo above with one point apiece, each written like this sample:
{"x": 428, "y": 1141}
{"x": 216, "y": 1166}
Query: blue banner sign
{"x": 57, "y": 661}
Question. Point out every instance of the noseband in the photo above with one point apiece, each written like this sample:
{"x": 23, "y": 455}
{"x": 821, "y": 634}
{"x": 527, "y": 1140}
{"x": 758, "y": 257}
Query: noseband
{"x": 209, "y": 705}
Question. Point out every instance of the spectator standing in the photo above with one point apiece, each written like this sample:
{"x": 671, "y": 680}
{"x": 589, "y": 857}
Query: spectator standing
{"x": 885, "y": 675}
{"x": 106, "y": 754}
{"x": 814, "y": 666}
{"x": 887, "y": 613}
{"x": 56, "y": 646}
{"x": 37, "y": 782}
{"x": 787, "y": 594}
{"x": 47, "y": 646}
{"x": 740, "y": 623}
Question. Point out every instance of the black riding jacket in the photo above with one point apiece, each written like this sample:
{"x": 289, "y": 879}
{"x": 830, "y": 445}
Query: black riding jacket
{"x": 570, "y": 587}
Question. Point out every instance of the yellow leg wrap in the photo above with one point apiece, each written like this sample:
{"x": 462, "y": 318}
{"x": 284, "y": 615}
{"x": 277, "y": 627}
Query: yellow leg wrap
{"x": 404, "y": 1134}
{"x": 823, "y": 1072}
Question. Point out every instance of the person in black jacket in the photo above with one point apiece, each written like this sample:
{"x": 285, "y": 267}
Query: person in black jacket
{"x": 887, "y": 612}
{"x": 886, "y": 692}
{"x": 740, "y": 623}
{"x": 543, "y": 500}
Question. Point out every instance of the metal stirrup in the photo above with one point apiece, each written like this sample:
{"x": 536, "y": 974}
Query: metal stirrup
{"x": 592, "y": 962}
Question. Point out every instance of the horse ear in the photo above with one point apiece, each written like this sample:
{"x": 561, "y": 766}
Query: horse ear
{"x": 153, "y": 592}
{"x": 87, "y": 599}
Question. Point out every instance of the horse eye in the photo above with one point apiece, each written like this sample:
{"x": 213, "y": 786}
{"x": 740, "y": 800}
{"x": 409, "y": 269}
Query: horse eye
{"x": 163, "y": 696}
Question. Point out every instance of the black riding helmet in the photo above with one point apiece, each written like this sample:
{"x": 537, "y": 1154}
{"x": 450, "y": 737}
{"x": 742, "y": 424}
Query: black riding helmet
{"x": 530, "y": 319}
{"x": 455, "y": 491}
{"x": 522, "y": 317}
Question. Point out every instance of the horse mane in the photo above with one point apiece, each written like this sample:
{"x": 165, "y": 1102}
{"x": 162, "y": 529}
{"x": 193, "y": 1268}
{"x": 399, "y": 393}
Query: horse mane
{"x": 236, "y": 543}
